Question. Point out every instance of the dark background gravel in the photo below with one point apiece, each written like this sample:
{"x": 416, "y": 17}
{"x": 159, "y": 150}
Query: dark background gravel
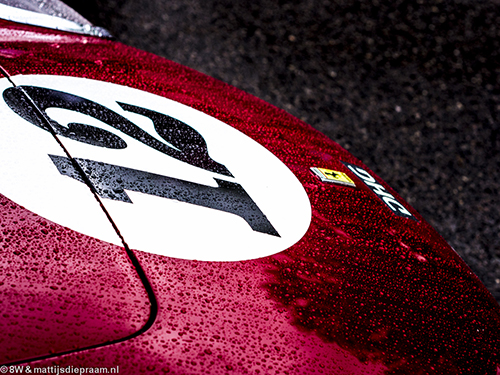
{"x": 412, "y": 88}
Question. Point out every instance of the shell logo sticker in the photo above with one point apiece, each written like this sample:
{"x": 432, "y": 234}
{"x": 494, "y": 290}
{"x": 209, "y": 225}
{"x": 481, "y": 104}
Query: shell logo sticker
{"x": 175, "y": 181}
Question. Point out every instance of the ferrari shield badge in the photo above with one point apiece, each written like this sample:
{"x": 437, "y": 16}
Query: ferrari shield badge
{"x": 336, "y": 177}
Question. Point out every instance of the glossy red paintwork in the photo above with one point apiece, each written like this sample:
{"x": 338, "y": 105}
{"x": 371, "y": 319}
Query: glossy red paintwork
{"x": 363, "y": 292}
{"x": 62, "y": 290}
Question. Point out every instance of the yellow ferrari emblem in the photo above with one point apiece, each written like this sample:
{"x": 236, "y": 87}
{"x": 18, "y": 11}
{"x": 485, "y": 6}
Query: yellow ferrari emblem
{"x": 336, "y": 177}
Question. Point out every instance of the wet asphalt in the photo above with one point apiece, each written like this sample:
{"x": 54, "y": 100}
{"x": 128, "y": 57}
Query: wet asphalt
{"x": 412, "y": 88}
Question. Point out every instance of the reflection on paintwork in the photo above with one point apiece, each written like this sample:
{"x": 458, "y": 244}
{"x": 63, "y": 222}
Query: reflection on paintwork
{"x": 48, "y": 13}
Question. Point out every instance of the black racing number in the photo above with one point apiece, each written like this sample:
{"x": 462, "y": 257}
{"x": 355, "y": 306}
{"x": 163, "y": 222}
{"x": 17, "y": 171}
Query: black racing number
{"x": 111, "y": 181}
{"x": 190, "y": 147}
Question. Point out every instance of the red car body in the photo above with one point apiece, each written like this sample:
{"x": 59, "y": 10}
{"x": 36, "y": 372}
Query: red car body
{"x": 369, "y": 288}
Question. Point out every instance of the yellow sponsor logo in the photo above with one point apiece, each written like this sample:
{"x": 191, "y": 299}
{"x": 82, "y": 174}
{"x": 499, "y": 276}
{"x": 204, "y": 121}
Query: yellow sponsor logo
{"x": 336, "y": 177}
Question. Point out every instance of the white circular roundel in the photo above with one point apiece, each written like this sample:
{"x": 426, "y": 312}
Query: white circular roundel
{"x": 175, "y": 181}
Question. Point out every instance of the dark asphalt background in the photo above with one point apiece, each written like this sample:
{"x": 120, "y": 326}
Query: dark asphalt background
{"x": 412, "y": 88}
